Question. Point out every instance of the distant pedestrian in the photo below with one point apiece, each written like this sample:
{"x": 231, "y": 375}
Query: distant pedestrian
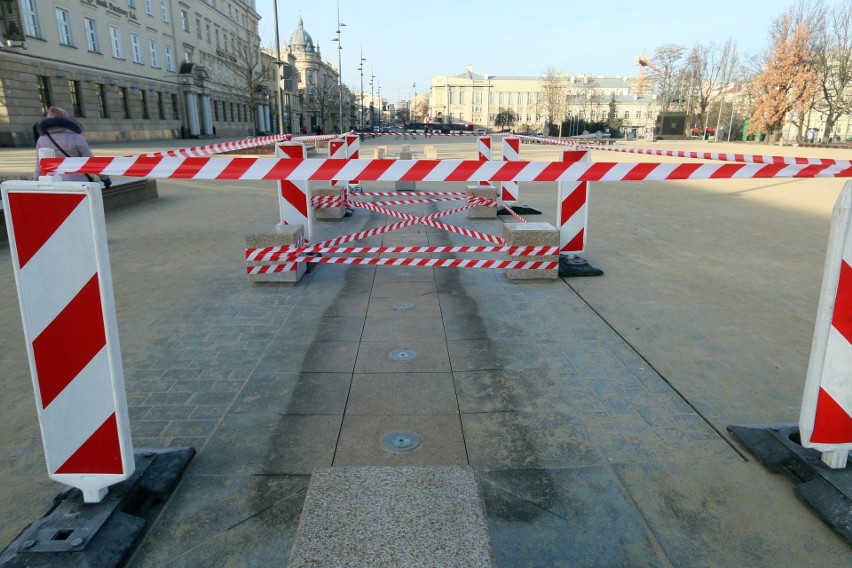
{"x": 64, "y": 136}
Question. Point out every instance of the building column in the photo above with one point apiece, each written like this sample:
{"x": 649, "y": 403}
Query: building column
{"x": 192, "y": 113}
{"x": 206, "y": 115}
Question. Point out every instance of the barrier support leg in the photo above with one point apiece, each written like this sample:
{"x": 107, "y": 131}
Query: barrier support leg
{"x": 835, "y": 459}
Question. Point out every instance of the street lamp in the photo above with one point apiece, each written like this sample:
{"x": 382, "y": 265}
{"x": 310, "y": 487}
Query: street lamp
{"x": 372, "y": 78}
{"x": 339, "y": 65}
{"x": 279, "y": 77}
{"x": 381, "y": 106}
{"x": 361, "y": 94}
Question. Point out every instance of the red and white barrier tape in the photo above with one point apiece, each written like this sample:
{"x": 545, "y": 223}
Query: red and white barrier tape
{"x": 427, "y": 262}
{"x": 242, "y": 168}
{"x": 221, "y": 147}
{"x": 413, "y": 193}
{"x": 284, "y": 253}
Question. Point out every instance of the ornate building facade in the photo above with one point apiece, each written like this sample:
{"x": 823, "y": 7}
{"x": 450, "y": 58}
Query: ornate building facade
{"x": 133, "y": 69}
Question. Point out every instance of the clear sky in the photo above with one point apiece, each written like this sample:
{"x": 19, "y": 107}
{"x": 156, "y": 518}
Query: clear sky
{"x": 411, "y": 42}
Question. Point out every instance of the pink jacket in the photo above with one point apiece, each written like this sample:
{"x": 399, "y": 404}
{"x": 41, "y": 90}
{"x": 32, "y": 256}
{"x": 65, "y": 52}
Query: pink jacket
{"x": 67, "y": 134}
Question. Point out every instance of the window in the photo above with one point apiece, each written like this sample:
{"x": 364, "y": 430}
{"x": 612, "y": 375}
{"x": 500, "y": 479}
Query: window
{"x": 91, "y": 35}
{"x": 627, "y": 114}
{"x": 100, "y": 91}
{"x": 511, "y": 99}
{"x": 144, "y": 100}
{"x": 115, "y": 41}
{"x": 208, "y": 34}
{"x": 216, "y": 111}
{"x": 477, "y": 97}
{"x": 44, "y": 93}
{"x": 491, "y": 97}
{"x": 501, "y": 97}
{"x": 122, "y": 100}
{"x": 148, "y": 9}
{"x": 170, "y": 59}
{"x": 529, "y": 99}
{"x": 164, "y": 9}
{"x": 161, "y": 108}
{"x": 638, "y": 114}
{"x": 232, "y": 112}
{"x": 311, "y": 78}
{"x": 76, "y": 98}
{"x": 31, "y": 19}
{"x": 155, "y": 58}
{"x": 217, "y": 38}
{"x": 184, "y": 21}
{"x": 131, "y": 3}
{"x": 175, "y": 110}
{"x": 198, "y": 29}
{"x": 461, "y": 97}
{"x": 63, "y": 23}
{"x": 136, "y": 47}
{"x": 452, "y": 100}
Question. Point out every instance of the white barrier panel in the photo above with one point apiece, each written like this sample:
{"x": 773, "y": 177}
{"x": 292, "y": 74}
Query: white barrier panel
{"x": 293, "y": 196}
{"x": 510, "y": 190}
{"x": 573, "y": 208}
{"x": 483, "y": 148}
{"x": 57, "y": 238}
{"x": 825, "y": 422}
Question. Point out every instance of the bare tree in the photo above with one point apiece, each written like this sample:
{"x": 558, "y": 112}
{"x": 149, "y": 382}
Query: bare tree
{"x": 322, "y": 100}
{"x": 706, "y": 71}
{"x": 421, "y": 107}
{"x": 553, "y": 100}
{"x": 243, "y": 70}
{"x": 667, "y": 71}
{"x": 832, "y": 65}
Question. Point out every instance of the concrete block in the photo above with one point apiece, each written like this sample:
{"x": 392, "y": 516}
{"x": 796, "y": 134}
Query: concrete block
{"x": 380, "y": 152}
{"x": 262, "y": 236}
{"x": 393, "y": 516}
{"x": 405, "y": 148}
{"x": 531, "y": 235}
{"x": 330, "y": 213}
{"x": 431, "y": 152}
{"x": 482, "y": 211}
{"x": 405, "y": 154}
{"x": 404, "y": 185}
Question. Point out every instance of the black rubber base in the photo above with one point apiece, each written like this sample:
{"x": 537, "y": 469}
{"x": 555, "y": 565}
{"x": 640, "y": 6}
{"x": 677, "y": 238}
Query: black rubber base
{"x": 74, "y": 534}
{"x": 577, "y": 267}
{"x": 520, "y": 210}
{"x": 827, "y": 491}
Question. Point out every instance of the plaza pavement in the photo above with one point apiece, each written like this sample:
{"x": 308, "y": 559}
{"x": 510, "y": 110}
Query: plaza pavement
{"x": 593, "y": 411}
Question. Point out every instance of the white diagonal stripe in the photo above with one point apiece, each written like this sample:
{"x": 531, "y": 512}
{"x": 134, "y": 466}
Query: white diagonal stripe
{"x": 58, "y": 271}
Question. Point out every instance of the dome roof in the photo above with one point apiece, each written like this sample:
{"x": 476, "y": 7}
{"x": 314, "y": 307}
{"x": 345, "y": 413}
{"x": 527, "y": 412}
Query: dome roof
{"x": 301, "y": 40}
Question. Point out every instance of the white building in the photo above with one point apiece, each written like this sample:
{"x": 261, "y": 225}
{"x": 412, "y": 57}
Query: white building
{"x": 477, "y": 99}
{"x": 129, "y": 69}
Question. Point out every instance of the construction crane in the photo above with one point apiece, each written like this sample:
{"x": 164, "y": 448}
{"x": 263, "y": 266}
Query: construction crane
{"x": 642, "y": 61}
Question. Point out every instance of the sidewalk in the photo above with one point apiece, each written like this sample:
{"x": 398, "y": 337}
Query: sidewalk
{"x": 592, "y": 410}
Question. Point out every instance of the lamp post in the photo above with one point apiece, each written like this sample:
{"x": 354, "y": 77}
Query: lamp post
{"x": 381, "y": 106}
{"x": 372, "y": 78}
{"x": 361, "y": 93}
{"x": 413, "y": 110}
{"x": 339, "y": 65}
{"x": 279, "y": 77}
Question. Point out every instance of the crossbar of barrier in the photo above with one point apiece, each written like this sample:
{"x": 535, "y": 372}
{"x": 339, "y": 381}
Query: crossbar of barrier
{"x": 424, "y": 262}
{"x": 313, "y": 169}
{"x": 287, "y": 253}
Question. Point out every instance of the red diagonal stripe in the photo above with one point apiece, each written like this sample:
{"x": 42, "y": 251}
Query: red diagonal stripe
{"x": 464, "y": 171}
{"x": 572, "y": 203}
{"x": 293, "y": 151}
{"x": 375, "y": 168}
{"x": 509, "y": 170}
{"x": 143, "y": 165}
{"x": 639, "y": 172}
{"x": 597, "y": 171}
{"x": 726, "y": 171}
{"x": 36, "y": 216}
{"x": 283, "y": 167}
{"x": 329, "y": 169}
{"x": 683, "y": 171}
{"x": 236, "y": 167}
{"x": 832, "y": 424}
{"x": 575, "y": 244}
{"x": 842, "y": 317}
{"x": 551, "y": 171}
{"x": 70, "y": 342}
{"x": 295, "y": 197}
{"x": 767, "y": 171}
{"x": 420, "y": 170}
{"x": 101, "y": 453}
{"x": 573, "y": 155}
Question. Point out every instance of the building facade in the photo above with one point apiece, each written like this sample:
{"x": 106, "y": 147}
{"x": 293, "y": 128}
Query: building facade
{"x": 131, "y": 69}
{"x": 477, "y": 99}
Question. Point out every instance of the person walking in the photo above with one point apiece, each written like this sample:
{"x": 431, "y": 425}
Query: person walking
{"x": 64, "y": 136}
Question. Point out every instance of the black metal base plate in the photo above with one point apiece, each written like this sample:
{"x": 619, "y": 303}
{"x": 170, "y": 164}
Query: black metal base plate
{"x": 74, "y": 534}
{"x": 827, "y": 491}
{"x": 577, "y": 267}
{"x": 520, "y": 210}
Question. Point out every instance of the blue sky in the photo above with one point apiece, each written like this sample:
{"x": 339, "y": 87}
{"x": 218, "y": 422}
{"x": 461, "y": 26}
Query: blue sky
{"x": 411, "y": 42}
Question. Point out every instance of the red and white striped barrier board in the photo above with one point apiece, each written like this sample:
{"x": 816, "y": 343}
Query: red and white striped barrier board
{"x": 294, "y": 195}
{"x": 57, "y": 239}
{"x": 573, "y": 208}
{"x": 285, "y": 253}
{"x": 825, "y": 421}
{"x": 425, "y": 170}
{"x": 483, "y": 149}
{"x": 353, "y": 146}
{"x": 337, "y": 151}
{"x": 427, "y": 262}
{"x": 510, "y": 190}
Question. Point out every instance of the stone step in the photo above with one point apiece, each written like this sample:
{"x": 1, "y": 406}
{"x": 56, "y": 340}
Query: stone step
{"x": 393, "y": 516}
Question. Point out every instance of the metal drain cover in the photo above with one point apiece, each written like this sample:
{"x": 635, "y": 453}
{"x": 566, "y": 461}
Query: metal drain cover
{"x": 405, "y": 274}
{"x": 404, "y": 306}
{"x": 401, "y": 440}
{"x": 403, "y": 355}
